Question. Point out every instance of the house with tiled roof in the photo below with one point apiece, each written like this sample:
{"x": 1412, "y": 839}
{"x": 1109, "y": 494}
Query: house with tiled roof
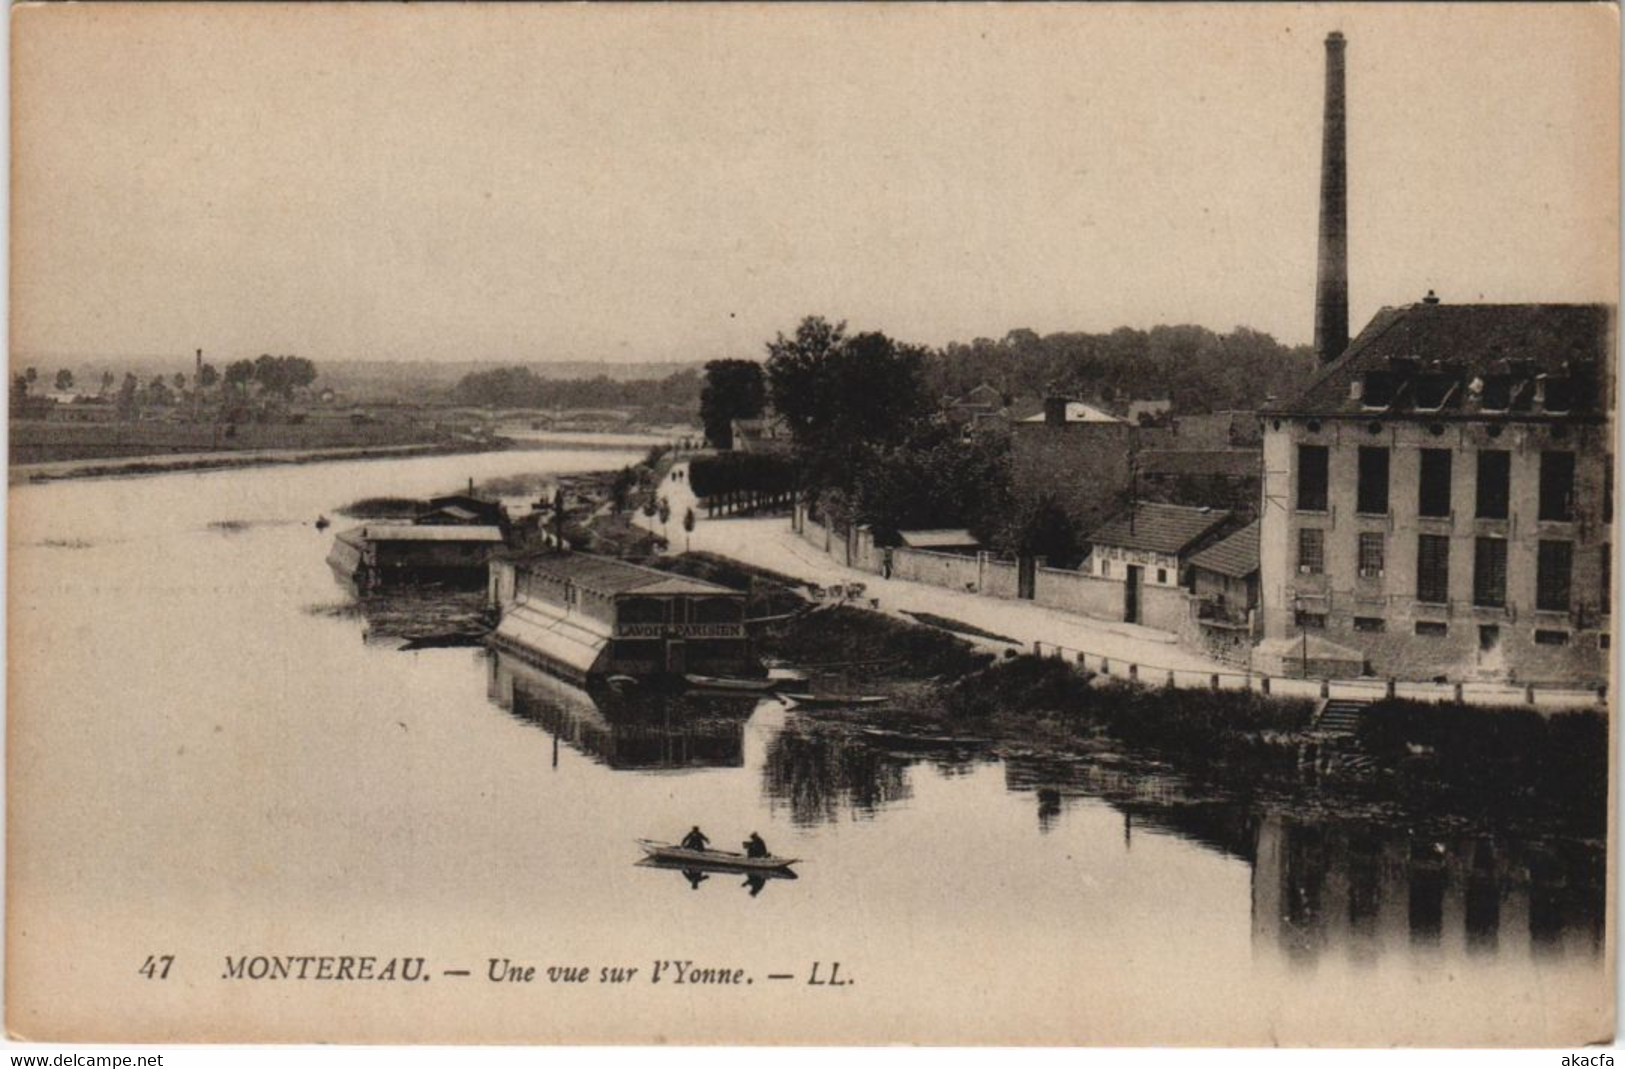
{"x": 1149, "y": 544}
{"x": 1439, "y": 497}
{"x": 1224, "y": 580}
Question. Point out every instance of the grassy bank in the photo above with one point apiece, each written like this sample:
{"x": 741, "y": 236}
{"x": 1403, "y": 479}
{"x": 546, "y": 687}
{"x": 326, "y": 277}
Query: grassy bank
{"x": 1504, "y": 767}
{"x": 159, "y": 465}
{"x": 35, "y": 442}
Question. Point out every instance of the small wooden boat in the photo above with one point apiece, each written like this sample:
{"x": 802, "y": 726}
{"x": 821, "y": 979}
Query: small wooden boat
{"x": 834, "y": 700}
{"x": 669, "y": 853}
{"x": 730, "y": 683}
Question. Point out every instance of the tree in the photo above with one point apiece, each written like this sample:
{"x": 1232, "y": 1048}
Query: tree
{"x": 127, "y": 395}
{"x": 688, "y": 527}
{"x": 665, "y": 515}
{"x": 208, "y": 376}
{"x": 158, "y": 391}
{"x": 734, "y": 389}
{"x": 1043, "y": 529}
{"x": 32, "y": 375}
{"x": 64, "y": 380}
{"x": 938, "y": 478}
{"x": 239, "y": 373}
{"x": 282, "y": 375}
{"x": 844, "y": 398}
{"x": 107, "y": 381}
{"x": 179, "y": 381}
{"x": 620, "y": 491}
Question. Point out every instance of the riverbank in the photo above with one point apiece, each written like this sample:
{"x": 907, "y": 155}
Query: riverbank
{"x": 158, "y": 464}
{"x": 1429, "y": 764}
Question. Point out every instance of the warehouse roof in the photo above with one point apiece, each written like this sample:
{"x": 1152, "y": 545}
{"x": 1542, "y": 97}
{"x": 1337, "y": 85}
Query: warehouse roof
{"x": 1439, "y": 360}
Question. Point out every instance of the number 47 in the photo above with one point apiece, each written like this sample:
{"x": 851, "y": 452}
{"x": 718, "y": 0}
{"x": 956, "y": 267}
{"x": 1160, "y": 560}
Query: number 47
{"x": 157, "y": 967}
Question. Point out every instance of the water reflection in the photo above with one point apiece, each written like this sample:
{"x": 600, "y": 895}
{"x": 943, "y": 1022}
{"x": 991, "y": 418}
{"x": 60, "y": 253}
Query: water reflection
{"x": 1358, "y": 886}
{"x": 822, "y": 771}
{"x": 751, "y": 882}
{"x": 643, "y": 730}
{"x": 1361, "y": 890}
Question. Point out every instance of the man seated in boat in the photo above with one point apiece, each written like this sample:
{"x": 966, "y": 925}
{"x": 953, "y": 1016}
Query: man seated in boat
{"x": 695, "y": 839}
{"x": 755, "y": 847}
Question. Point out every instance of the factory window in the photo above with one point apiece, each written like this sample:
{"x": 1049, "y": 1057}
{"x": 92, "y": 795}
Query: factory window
{"x": 1162, "y": 575}
{"x": 1607, "y": 578}
{"x": 1311, "y": 551}
{"x": 1433, "y": 569}
{"x": 1490, "y": 572}
{"x": 1553, "y": 567}
{"x": 1433, "y": 489}
{"x": 1370, "y": 623}
{"x": 1608, "y": 490}
{"x": 1312, "y": 467}
{"x": 1494, "y": 483}
{"x": 1313, "y": 620}
{"x": 1372, "y": 495}
{"x": 1371, "y": 554}
{"x": 1557, "y": 485}
{"x": 1432, "y": 628}
{"x": 1551, "y": 638}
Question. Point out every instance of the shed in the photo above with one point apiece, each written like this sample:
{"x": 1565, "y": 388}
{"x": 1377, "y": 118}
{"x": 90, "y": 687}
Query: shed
{"x": 940, "y": 540}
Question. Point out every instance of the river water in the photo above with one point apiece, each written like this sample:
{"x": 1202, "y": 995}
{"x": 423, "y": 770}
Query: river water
{"x": 208, "y": 759}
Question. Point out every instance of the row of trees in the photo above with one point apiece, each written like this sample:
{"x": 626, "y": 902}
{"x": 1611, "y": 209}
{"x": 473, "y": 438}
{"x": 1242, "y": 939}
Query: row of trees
{"x": 520, "y": 387}
{"x": 1201, "y": 370}
{"x": 741, "y": 480}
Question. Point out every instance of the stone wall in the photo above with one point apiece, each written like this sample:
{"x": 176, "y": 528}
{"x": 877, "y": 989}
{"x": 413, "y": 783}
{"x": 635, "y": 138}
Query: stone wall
{"x": 950, "y": 570}
{"x": 1077, "y": 592}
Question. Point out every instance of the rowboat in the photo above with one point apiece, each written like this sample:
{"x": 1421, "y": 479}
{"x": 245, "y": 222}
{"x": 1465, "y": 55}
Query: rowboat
{"x": 669, "y": 853}
{"x": 833, "y": 700}
{"x": 730, "y": 683}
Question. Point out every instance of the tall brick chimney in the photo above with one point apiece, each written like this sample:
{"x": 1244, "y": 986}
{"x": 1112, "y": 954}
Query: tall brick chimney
{"x": 1332, "y": 279}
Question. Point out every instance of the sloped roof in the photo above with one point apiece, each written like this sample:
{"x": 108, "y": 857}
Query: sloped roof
{"x": 407, "y": 532}
{"x": 1078, "y": 412}
{"x": 607, "y": 575}
{"x": 936, "y": 538}
{"x": 1475, "y": 340}
{"x": 1235, "y": 556}
{"x": 1158, "y": 528}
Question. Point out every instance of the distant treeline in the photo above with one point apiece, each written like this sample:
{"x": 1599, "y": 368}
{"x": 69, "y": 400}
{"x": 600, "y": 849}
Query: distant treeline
{"x": 1202, "y": 371}
{"x": 520, "y": 387}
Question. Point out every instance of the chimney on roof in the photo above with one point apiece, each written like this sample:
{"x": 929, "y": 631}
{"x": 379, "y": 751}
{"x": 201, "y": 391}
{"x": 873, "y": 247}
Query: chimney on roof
{"x": 1431, "y": 298}
{"x": 1332, "y": 279}
{"x": 1054, "y": 411}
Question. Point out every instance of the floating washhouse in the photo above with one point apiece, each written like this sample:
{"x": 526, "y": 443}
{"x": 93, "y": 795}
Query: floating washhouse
{"x": 583, "y": 616}
{"x": 381, "y": 556}
{"x": 447, "y": 544}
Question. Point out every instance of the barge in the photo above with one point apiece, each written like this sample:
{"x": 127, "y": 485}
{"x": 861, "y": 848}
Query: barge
{"x": 586, "y": 617}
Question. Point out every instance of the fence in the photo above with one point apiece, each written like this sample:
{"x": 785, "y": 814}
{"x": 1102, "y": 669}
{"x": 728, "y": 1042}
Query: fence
{"x": 1166, "y": 609}
{"x": 1540, "y": 697}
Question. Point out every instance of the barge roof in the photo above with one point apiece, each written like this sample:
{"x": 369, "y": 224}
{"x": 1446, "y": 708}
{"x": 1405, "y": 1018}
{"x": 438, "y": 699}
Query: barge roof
{"x": 606, "y": 575}
{"x": 408, "y": 532}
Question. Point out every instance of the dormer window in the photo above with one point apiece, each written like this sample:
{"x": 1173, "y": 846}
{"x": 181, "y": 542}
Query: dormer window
{"x": 1377, "y": 391}
{"x": 1434, "y": 386}
{"x": 1554, "y": 393}
{"x": 1497, "y": 395}
{"x": 1432, "y": 391}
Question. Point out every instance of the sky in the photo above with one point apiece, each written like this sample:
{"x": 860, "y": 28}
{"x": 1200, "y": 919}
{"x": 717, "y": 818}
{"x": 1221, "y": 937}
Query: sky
{"x": 632, "y": 183}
